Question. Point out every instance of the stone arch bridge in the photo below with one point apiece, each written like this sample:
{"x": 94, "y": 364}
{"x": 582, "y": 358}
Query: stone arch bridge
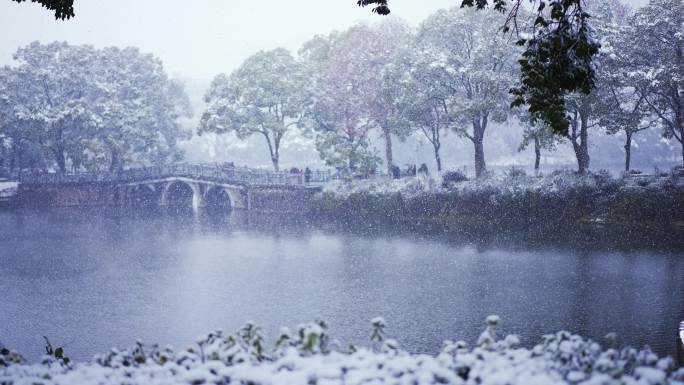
{"x": 182, "y": 185}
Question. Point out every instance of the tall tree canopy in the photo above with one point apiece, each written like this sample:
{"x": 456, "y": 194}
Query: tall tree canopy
{"x": 388, "y": 45}
{"x": 53, "y": 91}
{"x": 622, "y": 102}
{"x": 655, "y": 63}
{"x": 19, "y": 140}
{"x": 268, "y": 96}
{"x": 352, "y": 94}
{"x": 138, "y": 109}
{"x": 468, "y": 68}
{"x": 556, "y": 61}
{"x": 93, "y": 108}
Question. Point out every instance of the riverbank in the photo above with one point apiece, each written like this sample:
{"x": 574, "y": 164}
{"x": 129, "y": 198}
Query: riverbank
{"x": 310, "y": 356}
{"x": 557, "y": 206}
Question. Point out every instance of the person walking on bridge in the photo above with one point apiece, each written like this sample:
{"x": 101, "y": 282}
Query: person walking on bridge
{"x": 307, "y": 175}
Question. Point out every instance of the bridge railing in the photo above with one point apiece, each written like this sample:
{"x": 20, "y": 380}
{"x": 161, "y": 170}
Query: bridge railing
{"x": 214, "y": 172}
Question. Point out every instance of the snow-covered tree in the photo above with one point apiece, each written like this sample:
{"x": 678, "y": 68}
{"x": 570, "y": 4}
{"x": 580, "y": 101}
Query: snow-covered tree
{"x": 53, "y": 92}
{"x": 618, "y": 102}
{"x": 20, "y": 140}
{"x": 472, "y": 66}
{"x": 425, "y": 102}
{"x": 5, "y": 116}
{"x": 625, "y": 111}
{"x": 655, "y": 63}
{"x": 388, "y": 45}
{"x": 584, "y": 115}
{"x": 346, "y": 110}
{"x": 96, "y": 108}
{"x": 378, "y": 50}
{"x": 268, "y": 95}
{"x": 589, "y": 110}
{"x": 542, "y": 137}
{"x": 557, "y": 56}
{"x": 137, "y": 109}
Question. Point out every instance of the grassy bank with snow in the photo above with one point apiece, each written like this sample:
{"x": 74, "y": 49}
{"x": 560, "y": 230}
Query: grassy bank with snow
{"x": 554, "y": 205}
{"x": 310, "y": 357}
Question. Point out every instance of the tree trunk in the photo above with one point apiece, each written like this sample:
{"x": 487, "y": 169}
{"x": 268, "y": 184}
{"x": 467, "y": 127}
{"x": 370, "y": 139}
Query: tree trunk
{"x": 60, "y": 158}
{"x": 388, "y": 149}
{"x": 276, "y": 161}
{"x": 628, "y": 151}
{"x": 276, "y": 158}
{"x": 352, "y": 163}
{"x": 58, "y": 149}
{"x": 273, "y": 149}
{"x": 584, "y": 145}
{"x": 3, "y": 156}
{"x": 580, "y": 147}
{"x": 116, "y": 165}
{"x": 681, "y": 141}
{"x": 438, "y": 159}
{"x": 13, "y": 155}
{"x": 537, "y": 154}
{"x": 479, "y": 127}
{"x": 582, "y": 157}
{"x": 480, "y": 166}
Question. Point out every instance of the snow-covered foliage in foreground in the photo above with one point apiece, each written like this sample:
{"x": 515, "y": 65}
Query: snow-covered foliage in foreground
{"x": 308, "y": 357}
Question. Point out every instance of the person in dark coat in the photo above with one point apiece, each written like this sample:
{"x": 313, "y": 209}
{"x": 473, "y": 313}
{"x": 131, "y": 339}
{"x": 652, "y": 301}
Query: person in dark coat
{"x": 307, "y": 175}
{"x": 396, "y": 173}
{"x": 423, "y": 169}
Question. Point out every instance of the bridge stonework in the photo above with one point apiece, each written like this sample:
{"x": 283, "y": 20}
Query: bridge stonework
{"x": 196, "y": 186}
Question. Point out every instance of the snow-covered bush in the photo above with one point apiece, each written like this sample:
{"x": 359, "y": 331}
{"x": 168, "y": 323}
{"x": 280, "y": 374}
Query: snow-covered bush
{"x": 560, "y": 200}
{"x": 514, "y": 172}
{"x": 451, "y": 177}
{"x": 560, "y": 358}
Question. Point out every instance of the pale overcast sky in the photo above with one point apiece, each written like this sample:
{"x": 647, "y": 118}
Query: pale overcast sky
{"x": 198, "y": 38}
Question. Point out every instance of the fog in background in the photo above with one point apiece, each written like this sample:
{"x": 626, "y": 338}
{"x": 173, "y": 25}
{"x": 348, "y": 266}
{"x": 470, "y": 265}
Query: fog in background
{"x": 198, "y": 41}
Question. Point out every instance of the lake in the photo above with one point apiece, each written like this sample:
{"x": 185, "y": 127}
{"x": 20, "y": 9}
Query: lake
{"x": 96, "y": 279}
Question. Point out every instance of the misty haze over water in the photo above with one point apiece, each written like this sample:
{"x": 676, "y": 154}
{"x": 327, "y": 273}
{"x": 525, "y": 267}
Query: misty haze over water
{"x": 96, "y": 281}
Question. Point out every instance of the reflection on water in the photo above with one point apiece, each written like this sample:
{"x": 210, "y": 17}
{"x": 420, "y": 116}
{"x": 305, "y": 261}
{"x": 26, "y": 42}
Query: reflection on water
{"x": 94, "y": 280}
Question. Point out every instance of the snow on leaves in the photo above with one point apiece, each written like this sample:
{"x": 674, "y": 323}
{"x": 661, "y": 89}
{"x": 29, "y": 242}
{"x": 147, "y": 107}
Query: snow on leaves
{"x": 560, "y": 358}
{"x": 93, "y": 108}
{"x": 269, "y": 95}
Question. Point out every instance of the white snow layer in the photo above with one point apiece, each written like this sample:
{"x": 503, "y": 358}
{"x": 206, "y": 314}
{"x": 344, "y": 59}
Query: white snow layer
{"x": 560, "y": 358}
{"x": 8, "y": 189}
{"x": 554, "y": 183}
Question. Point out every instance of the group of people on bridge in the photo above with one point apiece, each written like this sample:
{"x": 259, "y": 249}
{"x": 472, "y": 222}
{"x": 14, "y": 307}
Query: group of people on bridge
{"x": 307, "y": 173}
{"x": 394, "y": 172}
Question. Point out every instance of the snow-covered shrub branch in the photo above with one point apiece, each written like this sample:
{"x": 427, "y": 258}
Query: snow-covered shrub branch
{"x": 306, "y": 357}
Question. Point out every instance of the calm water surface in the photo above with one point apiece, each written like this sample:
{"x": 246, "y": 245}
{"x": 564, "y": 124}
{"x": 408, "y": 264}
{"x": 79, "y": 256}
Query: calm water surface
{"x": 90, "y": 281}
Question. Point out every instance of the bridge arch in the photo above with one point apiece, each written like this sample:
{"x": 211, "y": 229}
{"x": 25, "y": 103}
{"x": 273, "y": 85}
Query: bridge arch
{"x": 181, "y": 194}
{"x": 143, "y": 195}
{"x": 219, "y": 198}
